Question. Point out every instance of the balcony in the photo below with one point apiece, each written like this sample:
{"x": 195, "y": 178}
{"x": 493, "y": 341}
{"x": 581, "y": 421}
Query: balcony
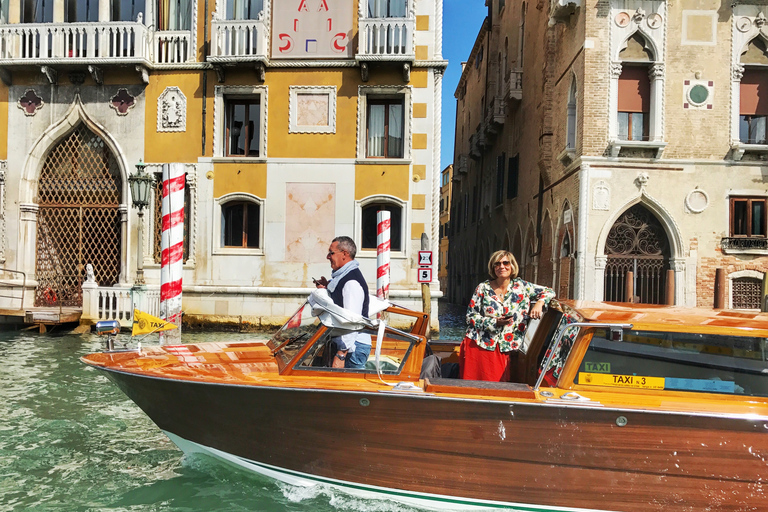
{"x": 386, "y": 39}
{"x": 238, "y": 41}
{"x": 74, "y": 43}
{"x": 171, "y": 46}
{"x": 514, "y": 85}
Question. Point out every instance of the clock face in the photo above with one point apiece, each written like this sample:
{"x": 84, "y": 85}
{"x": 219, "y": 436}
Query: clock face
{"x": 622, "y": 19}
{"x": 743, "y": 24}
{"x": 654, "y": 20}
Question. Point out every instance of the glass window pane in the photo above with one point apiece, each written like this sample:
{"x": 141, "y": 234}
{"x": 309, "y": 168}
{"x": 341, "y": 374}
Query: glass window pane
{"x": 395, "y": 142}
{"x": 758, "y": 216}
{"x": 128, "y": 10}
{"x": 758, "y": 129}
{"x": 397, "y": 8}
{"x": 623, "y": 125}
{"x": 253, "y": 212}
{"x": 369, "y": 226}
{"x": 376, "y": 130}
{"x": 638, "y": 126}
{"x": 232, "y": 219}
{"x": 744, "y": 128}
{"x": 253, "y": 129}
{"x": 739, "y": 218}
{"x": 236, "y": 130}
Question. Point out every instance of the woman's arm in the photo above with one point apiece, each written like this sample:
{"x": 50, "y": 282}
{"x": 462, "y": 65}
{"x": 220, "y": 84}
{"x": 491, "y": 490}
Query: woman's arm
{"x": 539, "y": 297}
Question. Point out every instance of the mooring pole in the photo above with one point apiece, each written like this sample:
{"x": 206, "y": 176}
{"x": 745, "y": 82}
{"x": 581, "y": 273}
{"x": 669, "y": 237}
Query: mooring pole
{"x": 426, "y": 294}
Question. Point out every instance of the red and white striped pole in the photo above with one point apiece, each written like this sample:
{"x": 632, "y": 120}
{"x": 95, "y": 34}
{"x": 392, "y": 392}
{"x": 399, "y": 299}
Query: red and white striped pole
{"x": 382, "y": 254}
{"x": 172, "y": 246}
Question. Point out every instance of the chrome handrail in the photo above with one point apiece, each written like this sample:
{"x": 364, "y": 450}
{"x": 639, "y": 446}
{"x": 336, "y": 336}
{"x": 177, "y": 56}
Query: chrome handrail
{"x": 559, "y": 339}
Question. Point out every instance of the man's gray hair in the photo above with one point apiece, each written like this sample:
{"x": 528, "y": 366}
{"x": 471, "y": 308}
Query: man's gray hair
{"x": 346, "y": 244}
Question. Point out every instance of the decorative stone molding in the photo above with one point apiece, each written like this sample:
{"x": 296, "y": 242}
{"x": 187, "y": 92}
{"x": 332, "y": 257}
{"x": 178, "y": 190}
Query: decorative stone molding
{"x": 601, "y": 196}
{"x": 737, "y": 71}
{"x": 749, "y": 22}
{"x": 220, "y": 92}
{"x": 601, "y": 261}
{"x": 697, "y": 200}
{"x": 122, "y": 102}
{"x": 172, "y": 111}
{"x": 30, "y": 103}
{"x": 615, "y": 70}
{"x": 305, "y": 116}
{"x": 363, "y": 91}
{"x": 642, "y": 180}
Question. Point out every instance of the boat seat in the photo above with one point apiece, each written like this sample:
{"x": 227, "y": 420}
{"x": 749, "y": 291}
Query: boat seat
{"x": 479, "y": 387}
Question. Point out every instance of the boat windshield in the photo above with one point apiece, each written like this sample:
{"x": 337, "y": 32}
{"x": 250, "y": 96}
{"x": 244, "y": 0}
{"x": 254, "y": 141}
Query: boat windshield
{"x": 296, "y": 332}
{"x": 705, "y": 363}
{"x": 561, "y": 342}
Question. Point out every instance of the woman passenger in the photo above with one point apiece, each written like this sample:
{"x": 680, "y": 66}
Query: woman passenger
{"x": 497, "y": 317}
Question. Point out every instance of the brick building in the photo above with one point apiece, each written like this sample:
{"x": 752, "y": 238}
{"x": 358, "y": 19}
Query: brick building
{"x": 618, "y": 148}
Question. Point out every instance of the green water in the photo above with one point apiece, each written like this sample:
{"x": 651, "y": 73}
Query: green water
{"x": 71, "y": 441}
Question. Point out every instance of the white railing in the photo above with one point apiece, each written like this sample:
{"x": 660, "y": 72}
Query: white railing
{"x": 239, "y": 38}
{"x": 118, "y": 302}
{"x": 386, "y": 37}
{"x": 57, "y": 41}
{"x": 171, "y": 46}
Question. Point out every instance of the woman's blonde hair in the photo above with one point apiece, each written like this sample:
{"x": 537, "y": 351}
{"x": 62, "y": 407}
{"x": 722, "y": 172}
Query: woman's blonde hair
{"x": 497, "y": 256}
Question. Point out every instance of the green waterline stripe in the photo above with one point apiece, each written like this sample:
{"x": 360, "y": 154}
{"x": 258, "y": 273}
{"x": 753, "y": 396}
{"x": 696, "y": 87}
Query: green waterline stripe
{"x": 405, "y": 494}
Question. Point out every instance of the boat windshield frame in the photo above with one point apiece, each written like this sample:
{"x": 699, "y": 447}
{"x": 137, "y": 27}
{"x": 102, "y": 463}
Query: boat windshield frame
{"x": 294, "y": 334}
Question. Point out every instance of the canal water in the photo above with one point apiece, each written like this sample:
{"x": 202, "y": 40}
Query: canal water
{"x": 71, "y": 441}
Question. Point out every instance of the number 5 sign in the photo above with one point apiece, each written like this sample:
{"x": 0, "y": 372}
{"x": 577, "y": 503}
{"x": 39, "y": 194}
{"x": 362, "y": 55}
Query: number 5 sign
{"x": 425, "y": 275}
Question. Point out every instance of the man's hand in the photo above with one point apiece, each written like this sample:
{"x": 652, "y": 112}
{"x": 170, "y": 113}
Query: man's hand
{"x": 321, "y": 283}
{"x": 339, "y": 363}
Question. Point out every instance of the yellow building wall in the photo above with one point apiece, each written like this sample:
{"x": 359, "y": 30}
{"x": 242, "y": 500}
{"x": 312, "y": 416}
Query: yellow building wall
{"x": 381, "y": 179}
{"x": 239, "y": 177}
{"x": 177, "y": 146}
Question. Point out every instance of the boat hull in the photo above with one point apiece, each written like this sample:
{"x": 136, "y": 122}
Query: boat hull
{"x": 521, "y": 455}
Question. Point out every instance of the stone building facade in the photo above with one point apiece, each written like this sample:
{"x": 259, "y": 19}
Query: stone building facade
{"x": 445, "y": 217}
{"x": 295, "y": 121}
{"x": 618, "y": 148}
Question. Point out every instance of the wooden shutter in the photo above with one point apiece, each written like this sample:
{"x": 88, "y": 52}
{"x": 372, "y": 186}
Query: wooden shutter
{"x": 634, "y": 89}
{"x": 754, "y": 92}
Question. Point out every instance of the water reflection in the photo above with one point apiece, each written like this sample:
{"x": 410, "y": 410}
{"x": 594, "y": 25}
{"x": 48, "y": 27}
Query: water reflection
{"x": 453, "y": 324}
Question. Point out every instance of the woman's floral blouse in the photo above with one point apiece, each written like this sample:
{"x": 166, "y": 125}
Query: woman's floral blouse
{"x": 485, "y": 307}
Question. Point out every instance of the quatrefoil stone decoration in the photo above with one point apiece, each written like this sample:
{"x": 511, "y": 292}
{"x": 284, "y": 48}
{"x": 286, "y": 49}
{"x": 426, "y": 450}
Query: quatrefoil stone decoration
{"x": 30, "y": 103}
{"x": 122, "y": 102}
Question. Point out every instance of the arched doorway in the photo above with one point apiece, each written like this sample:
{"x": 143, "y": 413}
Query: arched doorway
{"x": 637, "y": 251}
{"x": 78, "y": 220}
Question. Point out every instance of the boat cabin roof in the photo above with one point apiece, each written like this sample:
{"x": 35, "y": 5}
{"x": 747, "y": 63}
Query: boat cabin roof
{"x": 674, "y": 318}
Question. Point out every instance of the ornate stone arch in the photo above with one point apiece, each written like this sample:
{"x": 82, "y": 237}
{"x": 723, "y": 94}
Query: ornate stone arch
{"x": 53, "y": 135}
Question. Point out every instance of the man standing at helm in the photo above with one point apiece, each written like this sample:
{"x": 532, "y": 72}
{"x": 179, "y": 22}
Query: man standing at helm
{"x": 349, "y": 290}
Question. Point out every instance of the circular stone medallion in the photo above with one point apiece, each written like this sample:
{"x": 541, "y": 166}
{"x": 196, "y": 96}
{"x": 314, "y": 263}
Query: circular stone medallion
{"x": 622, "y": 19}
{"x": 698, "y": 94}
{"x": 697, "y": 200}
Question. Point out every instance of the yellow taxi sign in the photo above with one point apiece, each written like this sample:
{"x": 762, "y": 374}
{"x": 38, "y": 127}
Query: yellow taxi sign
{"x": 621, "y": 381}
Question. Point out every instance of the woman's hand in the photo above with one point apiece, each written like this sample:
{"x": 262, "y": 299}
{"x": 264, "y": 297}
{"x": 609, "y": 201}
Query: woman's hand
{"x": 537, "y": 309}
{"x": 503, "y": 321}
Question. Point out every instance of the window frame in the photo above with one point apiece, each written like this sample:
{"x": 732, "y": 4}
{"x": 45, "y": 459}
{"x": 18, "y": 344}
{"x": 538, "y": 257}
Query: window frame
{"x": 749, "y": 200}
{"x": 386, "y": 103}
{"x": 218, "y": 209}
{"x": 293, "y": 108}
{"x": 404, "y": 231}
{"x": 223, "y": 94}
{"x": 366, "y": 93}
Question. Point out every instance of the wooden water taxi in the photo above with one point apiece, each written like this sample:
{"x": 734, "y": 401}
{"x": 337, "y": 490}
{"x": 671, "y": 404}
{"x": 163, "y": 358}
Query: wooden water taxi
{"x": 612, "y": 408}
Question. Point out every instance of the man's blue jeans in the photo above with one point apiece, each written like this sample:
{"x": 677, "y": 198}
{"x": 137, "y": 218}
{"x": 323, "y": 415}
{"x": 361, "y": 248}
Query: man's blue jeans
{"x": 358, "y": 358}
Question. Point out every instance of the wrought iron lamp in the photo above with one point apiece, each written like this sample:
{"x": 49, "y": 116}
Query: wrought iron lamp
{"x": 140, "y": 183}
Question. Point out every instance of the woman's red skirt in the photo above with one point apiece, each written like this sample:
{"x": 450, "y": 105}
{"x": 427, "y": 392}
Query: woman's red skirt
{"x": 476, "y": 363}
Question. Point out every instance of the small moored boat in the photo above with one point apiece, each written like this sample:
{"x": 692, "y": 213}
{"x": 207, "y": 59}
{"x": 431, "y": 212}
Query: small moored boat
{"x": 612, "y": 408}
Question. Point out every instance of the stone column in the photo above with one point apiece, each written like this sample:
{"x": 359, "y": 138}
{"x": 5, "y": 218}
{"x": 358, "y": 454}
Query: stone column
{"x": 601, "y": 262}
{"x": 28, "y": 243}
{"x": 656, "y": 77}
{"x": 613, "y": 101}
{"x": 105, "y": 10}
{"x": 126, "y": 244}
{"x": 679, "y": 266}
{"x": 736, "y": 74}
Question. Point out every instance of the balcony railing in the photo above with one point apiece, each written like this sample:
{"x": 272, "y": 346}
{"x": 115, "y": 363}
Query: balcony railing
{"x": 171, "y": 46}
{"x": 70, "y": 42}
{"x": 745, "y": 243}
{"x": 238, "y": 40}
{"x": 386, "y": 39}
